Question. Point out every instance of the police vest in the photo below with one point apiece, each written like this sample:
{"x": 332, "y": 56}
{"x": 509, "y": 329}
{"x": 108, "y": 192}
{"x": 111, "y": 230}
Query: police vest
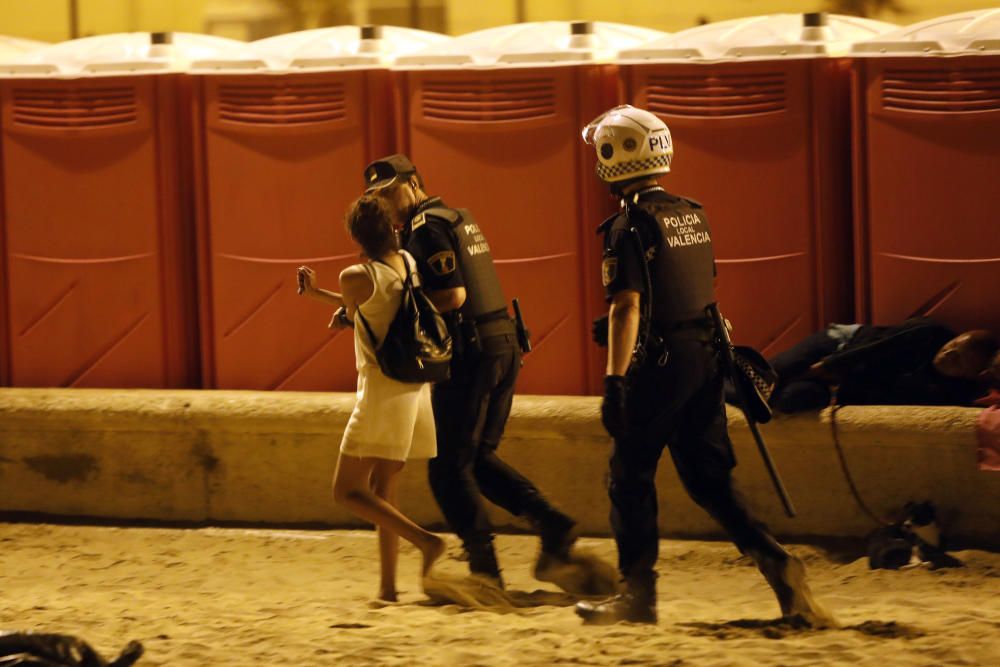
{"x": 680, "y": 257}
{"x": 483, "y": 294}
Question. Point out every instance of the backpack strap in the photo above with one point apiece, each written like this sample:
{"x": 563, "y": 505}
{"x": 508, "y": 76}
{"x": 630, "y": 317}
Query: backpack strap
{"x": 368, "y": 328}
{"x": 411, "y": 278}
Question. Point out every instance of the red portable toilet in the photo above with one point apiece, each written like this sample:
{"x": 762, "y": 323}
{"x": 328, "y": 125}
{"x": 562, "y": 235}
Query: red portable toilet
{"x": 281, "y": 143}
{"x": 11, "y": 49}
{"x": 492, "y": 120}
{"x": 759, "y": 111}
{"x": 927, "y": 167}
{"x": 99, "y": 256}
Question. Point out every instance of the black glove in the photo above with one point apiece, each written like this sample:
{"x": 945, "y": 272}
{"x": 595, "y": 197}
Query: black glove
{"x": 599, "y": 331}
{"x": 613, "y": 406}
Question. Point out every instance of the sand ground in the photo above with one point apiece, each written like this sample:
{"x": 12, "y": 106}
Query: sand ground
{"x": 230, "y": 596}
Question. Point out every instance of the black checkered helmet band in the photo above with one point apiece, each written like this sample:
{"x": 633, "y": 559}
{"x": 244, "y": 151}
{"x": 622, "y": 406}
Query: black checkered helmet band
{"x": 626, "y": 170}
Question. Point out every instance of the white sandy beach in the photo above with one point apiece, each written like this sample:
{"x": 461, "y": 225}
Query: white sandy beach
{"x": 235, "y": 596}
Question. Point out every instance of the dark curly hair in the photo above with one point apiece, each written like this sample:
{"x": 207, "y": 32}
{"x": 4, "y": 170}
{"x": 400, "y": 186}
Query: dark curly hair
{"x": 369, "y": 222}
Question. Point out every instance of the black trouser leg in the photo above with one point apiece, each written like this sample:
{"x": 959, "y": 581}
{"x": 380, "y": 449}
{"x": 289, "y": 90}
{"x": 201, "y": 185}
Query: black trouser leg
{"x": 499, "y": 481}
{"x": 702, "y": 454}
{"x": 632, "y": 491}
{"x": 451, "y": 472}
{"x": 470, "y": 413}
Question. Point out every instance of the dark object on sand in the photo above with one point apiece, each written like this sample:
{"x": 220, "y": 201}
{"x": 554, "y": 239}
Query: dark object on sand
{"x": 29, "y": 649}
{"x": 892, "y": 546}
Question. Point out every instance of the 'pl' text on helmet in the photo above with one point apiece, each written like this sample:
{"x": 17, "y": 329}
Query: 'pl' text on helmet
{"x": 631, "y": 143}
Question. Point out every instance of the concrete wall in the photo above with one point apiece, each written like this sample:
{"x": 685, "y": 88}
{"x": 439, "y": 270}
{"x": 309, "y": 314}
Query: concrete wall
{"x": 268, "y": 457}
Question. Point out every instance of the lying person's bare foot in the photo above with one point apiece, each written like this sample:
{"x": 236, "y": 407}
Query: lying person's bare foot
{"x": 787, "y": 579}
{"x": 432, "y": 551}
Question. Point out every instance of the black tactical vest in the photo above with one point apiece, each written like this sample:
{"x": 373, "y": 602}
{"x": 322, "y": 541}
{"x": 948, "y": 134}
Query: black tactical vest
{"x": 680, "y": 256}
{"x": 483, "y": 294}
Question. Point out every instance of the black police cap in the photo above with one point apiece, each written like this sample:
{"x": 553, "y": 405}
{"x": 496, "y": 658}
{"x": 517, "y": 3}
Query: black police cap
{"x": 387, "y": 170}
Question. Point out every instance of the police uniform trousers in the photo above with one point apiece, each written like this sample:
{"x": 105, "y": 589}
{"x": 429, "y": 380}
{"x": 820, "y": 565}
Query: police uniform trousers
{"x": 470, "y": 411}
{"x": 678, "y": 405}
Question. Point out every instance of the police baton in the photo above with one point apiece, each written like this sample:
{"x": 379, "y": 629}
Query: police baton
{"x": 725, "y": 347}
{"x": 523, "y": 335}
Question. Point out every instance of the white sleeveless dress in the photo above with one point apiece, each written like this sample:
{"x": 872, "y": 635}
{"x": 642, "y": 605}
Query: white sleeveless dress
{"x": 391, "y": 419}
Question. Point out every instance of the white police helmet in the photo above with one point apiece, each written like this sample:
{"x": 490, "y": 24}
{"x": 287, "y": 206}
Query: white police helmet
{"x": 630, "y": 143}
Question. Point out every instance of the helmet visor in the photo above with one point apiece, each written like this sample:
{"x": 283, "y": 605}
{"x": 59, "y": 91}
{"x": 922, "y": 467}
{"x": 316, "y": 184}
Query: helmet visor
{"x": 590, "y": 130}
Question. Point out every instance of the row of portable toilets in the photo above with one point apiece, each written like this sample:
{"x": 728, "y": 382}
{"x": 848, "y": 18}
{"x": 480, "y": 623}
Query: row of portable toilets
{"x": 158, "y": 194}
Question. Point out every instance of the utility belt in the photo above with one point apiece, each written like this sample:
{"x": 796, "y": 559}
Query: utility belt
{"x": 468, "y": 334}
{"x": 657, "y": 345}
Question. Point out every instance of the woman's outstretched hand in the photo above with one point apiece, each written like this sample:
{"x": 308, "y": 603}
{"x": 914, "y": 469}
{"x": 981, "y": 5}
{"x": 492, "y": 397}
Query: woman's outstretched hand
{"x": 307, "y": 280}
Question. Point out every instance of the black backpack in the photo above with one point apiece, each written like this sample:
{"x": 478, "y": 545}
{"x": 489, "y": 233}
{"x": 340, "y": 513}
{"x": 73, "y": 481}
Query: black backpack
{"x": 417, "y": 346}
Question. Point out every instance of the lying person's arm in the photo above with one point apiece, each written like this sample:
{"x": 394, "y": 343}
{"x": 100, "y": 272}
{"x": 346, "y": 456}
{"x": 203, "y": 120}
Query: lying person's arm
{"x": 912, "y": 346}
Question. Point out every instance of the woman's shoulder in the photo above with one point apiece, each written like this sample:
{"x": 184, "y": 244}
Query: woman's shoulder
{"x": 355, "y": 272}
{"x": 356, "y": 277}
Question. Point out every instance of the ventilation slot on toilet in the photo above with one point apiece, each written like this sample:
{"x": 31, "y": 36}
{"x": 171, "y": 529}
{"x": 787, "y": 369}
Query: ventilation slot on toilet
{"x": 716, "y": 95}
{"x": 489, "y": 101}
{"x": 941, "y": 91}
{"x": 282, "y": 103}
{"x": 74, "y": 108}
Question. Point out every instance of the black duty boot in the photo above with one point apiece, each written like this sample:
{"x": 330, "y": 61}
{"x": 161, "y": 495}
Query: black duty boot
{"x": 558, "y": 534}
{"x": 483, "y": 562}
{"x": 637, "y": 604}
{"x": 786, "y": 575}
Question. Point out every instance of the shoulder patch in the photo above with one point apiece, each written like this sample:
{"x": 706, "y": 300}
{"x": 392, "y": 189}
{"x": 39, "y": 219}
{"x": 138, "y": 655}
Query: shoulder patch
{"x": 417, "y": 222}
{"x": 449, "y": 215}
{"x": 442, "y": 263}
{"x": 609, "y": 270}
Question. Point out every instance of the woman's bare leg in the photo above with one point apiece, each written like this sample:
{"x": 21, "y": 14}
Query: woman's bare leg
{"x": 352, "y": 489}
{"x": 385, "y": 484}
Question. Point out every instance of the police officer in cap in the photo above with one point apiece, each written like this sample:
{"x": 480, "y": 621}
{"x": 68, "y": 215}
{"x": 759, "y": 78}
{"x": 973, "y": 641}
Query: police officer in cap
{"x": 471, "y": 409}
{"x": 664, "y": 384}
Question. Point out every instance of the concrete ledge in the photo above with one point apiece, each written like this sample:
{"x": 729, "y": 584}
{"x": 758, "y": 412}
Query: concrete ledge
{"x": 268, "y": 457}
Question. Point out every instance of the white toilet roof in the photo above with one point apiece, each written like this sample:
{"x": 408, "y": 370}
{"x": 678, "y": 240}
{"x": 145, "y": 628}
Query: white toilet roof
{"x": 768, "y": 36}
{"x": 531, "y": 43}
{"x": 966, "y": 32}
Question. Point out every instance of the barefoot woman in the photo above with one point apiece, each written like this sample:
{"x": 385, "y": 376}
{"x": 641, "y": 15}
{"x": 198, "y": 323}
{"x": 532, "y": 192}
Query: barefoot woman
{"x": 392, "y": 421}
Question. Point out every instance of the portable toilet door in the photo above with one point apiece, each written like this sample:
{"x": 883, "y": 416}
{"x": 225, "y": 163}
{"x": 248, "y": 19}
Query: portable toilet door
{"x": 492, "y": 121}
{"x": 99, "y": 256}
{"x": 11, "y": 50}
{"x": 281, "y": 144}
{"x": 927, "y": 165}
{"x": 760, "y": 115}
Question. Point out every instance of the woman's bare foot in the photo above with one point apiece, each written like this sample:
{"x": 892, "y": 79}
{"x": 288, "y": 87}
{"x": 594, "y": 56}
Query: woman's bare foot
{"x": 388, "y": 595}
{"x": 433, "y": 550}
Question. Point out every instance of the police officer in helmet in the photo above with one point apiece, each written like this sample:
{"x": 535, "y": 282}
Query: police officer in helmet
{"x": 471, "y": 409}
{"x": 664, "y": 385}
